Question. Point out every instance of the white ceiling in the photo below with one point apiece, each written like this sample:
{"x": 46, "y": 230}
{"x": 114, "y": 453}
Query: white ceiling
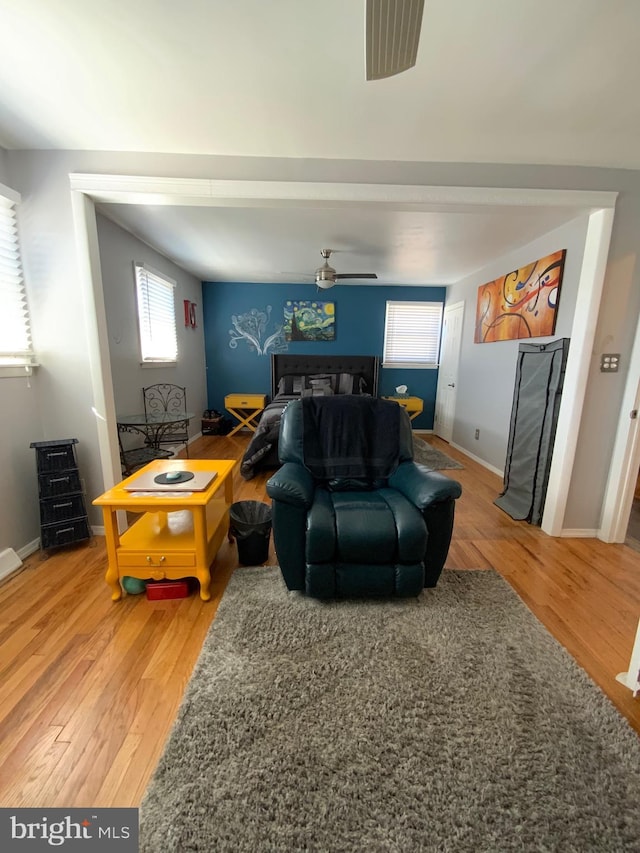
{"x": 500, "y": 81}
{"x": 275, "y": 244}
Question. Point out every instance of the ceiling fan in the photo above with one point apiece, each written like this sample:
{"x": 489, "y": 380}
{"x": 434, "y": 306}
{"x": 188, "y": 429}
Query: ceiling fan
{"x": 392, "y": 33}
{"x": 326, "y": 276}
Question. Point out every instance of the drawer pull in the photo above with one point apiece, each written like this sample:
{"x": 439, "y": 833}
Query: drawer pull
{"x": 150, "y": 559}
{"x": 59, "y": 480}
{"x": 64, "y": 530}
{"x": 62, "y": 506}
{"x": 57, "y": 453}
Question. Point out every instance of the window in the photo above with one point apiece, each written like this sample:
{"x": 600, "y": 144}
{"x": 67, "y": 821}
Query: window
{"x": 16, "y": 350}
{"x": 156, "y": 315}
{"x": 412, "y": 334}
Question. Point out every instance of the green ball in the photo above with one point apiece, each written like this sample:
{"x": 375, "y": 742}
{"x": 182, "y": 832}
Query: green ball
{"x": 134, "y": 586}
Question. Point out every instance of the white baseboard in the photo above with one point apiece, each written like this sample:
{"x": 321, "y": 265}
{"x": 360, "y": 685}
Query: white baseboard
{"x": 97, "y": 529}
{"x": 579, "y": 533}
{"x": 29, "y": 549}
{"x": 477, "y": 459}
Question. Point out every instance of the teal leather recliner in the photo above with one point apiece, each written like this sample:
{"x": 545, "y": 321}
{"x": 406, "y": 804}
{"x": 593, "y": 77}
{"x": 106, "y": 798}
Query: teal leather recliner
{"x": 353, "y": 514}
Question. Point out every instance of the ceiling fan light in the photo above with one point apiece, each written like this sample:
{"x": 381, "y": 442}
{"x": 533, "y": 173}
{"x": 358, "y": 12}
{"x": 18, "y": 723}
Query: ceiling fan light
{"x": 325, "y": 283}
{"x": 392, "y": 33}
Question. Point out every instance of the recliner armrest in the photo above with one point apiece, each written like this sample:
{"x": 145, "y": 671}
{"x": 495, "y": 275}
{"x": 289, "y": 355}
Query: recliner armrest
{"x": 292, "y": 484}
{"x": 422, "y": 486}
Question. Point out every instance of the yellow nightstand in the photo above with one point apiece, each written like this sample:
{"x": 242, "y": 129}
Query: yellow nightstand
{"x": 413, "y": 405}
{"x": 246, "y": 408}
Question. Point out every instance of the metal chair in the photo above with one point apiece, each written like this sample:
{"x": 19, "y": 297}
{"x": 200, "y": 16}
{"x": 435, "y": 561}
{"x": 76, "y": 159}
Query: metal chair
{"x": 133, "y": 458}
{"x": 165, "y": 399}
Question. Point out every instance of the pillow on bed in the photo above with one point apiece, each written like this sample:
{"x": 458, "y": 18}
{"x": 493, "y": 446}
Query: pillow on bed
{"x": 336, "y": 383}
{"x": 349, "y": 383}
{"x": 291, "y": 384}
{"x": 321, "y": 380}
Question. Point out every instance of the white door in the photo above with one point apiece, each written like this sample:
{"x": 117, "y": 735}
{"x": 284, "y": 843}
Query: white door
{"x": 448, "y": 374}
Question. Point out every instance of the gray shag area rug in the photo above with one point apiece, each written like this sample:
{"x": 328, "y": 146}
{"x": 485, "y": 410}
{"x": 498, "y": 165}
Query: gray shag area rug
{"x": 427, "y": 455}
{"x": 449, "y": 722}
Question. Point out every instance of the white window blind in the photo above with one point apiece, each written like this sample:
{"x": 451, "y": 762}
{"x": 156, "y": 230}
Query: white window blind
{"x": 156, "y": 315}
{"x": 16, "y": 349}
{"x": 412, "y": 334}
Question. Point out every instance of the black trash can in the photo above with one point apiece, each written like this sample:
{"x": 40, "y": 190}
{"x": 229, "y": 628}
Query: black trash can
{"x": 250, "y": 524}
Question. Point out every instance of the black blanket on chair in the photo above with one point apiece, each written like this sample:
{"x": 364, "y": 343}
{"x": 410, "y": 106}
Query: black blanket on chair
{"x": 350, "y": 436}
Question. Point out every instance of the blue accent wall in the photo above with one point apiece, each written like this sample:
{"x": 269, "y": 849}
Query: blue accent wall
{"x": 360, "y": 312}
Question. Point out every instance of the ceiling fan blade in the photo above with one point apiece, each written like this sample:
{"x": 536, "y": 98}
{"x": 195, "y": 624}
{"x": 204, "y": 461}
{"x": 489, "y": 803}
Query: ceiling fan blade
{"x": 356, "y": 275}
{"x": 392, "y": 33}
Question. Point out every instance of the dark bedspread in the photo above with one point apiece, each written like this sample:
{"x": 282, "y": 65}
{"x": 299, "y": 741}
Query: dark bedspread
{"x": 262, "y": 451}
{"x": 293, "y": 377}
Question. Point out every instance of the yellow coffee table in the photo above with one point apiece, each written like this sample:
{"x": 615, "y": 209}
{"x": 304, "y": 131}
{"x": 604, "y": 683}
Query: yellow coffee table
{"x": 177, "y": 535}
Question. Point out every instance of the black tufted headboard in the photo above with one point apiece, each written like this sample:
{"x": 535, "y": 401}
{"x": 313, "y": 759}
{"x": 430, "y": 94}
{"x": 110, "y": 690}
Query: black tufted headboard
{"x": 284, "y": 364}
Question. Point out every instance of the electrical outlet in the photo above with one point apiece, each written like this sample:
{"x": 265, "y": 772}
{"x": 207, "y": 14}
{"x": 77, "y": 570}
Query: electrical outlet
{"x": 477, "y": 433}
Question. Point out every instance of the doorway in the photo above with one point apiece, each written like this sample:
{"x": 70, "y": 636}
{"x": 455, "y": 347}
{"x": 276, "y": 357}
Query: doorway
{"x": 89, "y": 188}
{"x": 632, "y": 538}
{"x": 448, "y": 373}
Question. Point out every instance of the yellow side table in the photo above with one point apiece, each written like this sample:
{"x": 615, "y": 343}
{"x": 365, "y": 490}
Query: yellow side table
{"x": 413, "y": 405}
{"x": 246, "y": 408}
{"x": 176, "y": 535}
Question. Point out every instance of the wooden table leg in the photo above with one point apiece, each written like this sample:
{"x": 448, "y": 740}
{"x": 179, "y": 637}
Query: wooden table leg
{"x": 245, "y": 420}
{"x": 200, "y": 542}
{"x": 112, "y": 540}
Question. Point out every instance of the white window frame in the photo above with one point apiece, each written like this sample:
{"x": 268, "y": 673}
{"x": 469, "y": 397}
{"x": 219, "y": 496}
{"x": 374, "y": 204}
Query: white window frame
{"x": 16, "y": 348}
{"x": 412, "y": 333}
{"x": 157, "y": 329}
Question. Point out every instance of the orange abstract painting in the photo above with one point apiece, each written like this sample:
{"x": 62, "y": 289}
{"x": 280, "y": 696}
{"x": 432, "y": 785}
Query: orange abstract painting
{"x": 521, "y": 304}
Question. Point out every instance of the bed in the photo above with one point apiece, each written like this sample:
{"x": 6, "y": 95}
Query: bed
{"x": 295, "y": 376}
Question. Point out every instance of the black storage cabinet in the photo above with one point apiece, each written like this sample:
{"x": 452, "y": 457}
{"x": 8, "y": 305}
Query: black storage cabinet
{"x": 63, "y": 514}
{"x": 534, "y": 415}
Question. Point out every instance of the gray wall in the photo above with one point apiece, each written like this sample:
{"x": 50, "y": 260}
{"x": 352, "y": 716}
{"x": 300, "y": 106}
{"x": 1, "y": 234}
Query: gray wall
{"x": 20, "y": 423}
{"x": 63, "y": 388}
{"x": 118, "y": 251}
{"x": 487, "y": 371}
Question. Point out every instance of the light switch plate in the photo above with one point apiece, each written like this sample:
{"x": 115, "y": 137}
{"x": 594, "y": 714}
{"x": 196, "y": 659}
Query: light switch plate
{"x": 609, "y": 362}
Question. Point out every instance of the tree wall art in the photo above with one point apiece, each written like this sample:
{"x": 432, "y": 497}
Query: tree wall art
{"x": 252, "y": 328}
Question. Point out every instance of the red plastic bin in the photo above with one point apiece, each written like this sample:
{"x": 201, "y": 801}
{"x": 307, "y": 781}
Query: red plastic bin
{"x": 167, "y": 589}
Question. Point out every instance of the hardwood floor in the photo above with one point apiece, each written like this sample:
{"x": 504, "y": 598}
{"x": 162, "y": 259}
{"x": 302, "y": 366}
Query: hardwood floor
{"x": 90, "y": 687}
